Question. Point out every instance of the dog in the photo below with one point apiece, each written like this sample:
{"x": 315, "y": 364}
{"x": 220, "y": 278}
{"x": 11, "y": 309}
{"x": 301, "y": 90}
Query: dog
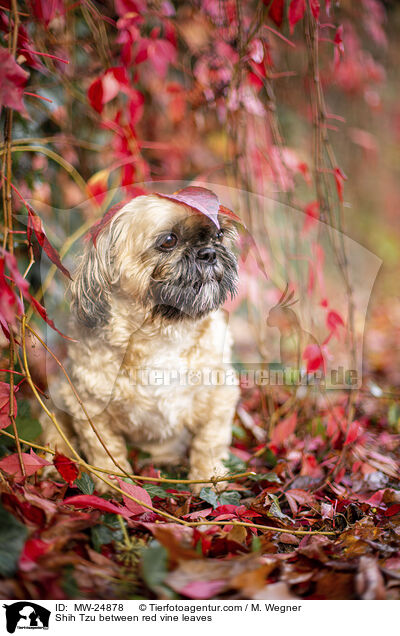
{"x": 148, "y": 296}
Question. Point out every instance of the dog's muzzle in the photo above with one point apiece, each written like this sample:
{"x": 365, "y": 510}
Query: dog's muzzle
{"x": 199, "y": 283}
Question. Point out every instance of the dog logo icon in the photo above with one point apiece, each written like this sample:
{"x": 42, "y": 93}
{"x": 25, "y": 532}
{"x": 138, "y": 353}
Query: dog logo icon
{"x": 26, "y": 615}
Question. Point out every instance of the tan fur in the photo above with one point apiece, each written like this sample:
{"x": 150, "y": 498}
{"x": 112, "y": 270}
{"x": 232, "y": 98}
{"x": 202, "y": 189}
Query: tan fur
{"x": 164, "y": 420}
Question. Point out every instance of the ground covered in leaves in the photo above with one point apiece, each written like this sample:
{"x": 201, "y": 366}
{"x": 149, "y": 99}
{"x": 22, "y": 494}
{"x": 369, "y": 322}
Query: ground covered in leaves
{"x": 313, "y": 473}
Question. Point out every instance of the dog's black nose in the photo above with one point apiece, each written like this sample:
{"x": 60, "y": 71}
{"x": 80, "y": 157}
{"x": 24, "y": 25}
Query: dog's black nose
{"x": 207, "y": 254}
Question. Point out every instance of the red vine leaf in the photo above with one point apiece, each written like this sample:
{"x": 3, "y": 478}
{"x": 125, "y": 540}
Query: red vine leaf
{"x": 284, "y": 429}
{"x": 315, "y": 6}
{"x": 44, "y": 11}
{"x": 333, "y": 321}
{"x": 12, "y": 82}
{"x": 97, "y": 186}
{"x": 106, "y": 87}
{"x": 296, "y": 12}
{"x": 91, "y": 501}
{"x": 201, "y": 200}
{"x": 314, "y": 358}
{"x": 68, "y": 470}
{"x": 10, "y": 304}
{"x": 353, "y": 433}
{"x": 5, "y": 405}
{"x": 275, "y": 11}
{"x": 339, "y": 178}
{"x": 23, "y": 286}
{"x": 35, "y": 224}
{"x": 43, "y": 314}
{"x": 227, "y": 212}
{"x": 31, "y": 461}
{"x": 139, "y": 493}
{"x": 32, "y": 551}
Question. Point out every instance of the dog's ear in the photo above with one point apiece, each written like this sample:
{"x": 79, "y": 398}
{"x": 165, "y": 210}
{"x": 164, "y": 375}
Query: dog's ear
{"x": 91, "y": 287}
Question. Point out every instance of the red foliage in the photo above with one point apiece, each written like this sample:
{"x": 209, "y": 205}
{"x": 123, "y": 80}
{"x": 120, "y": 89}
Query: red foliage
{"x": 13, "y": 79}
{"x": 67, "y": 469}
{"x": 296, "y": 12}
{"x": 314, "y": 358}
{"x": 198, "y": 199}
{"x": 35, "y": 224}
{"x": 5, "y": 405}
{"x": 92, "y": 501}
{"x": 31, "y": 461}
{"x": 138, "y": 493}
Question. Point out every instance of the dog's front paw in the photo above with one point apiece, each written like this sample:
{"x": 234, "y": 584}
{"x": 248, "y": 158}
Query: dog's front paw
{"x": 211, "y": 472}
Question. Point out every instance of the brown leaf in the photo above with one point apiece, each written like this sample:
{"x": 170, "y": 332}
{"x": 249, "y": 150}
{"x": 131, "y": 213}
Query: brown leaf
{"x": 369, "y": 580}
{"x": 253, "y": 581}
{"x": 276, "y": 591}
{"x": 206, "y": 578}
{"x": 238, "y": 534}
{"x": 177, "y": 543}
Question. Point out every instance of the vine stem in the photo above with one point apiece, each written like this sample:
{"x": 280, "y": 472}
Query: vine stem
{"x": 163, "y": 480}
{"x": 245, "y": 524}
{"x": 8, "y": 240}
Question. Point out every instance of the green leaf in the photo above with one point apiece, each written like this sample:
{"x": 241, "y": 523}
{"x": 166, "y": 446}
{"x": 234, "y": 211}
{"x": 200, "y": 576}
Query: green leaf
{"x": 234, "y": 464}
{"x": 230, "y": 497}
{"x": 24, "y": 409}
{"x": 101, "y": 535}
{"x": 272, "y": 477}
{"x": 156, "y": 491}
{"x": 183, "y": 487}
{"x": 112, "y": 521}
{"x": 269, "y": 458}
{"x": 275, "y": 510}
{"x": 68, "y": 583}
{"x": 394, "y": 416}
{"x": 256, "y": 544}
{"x": 85, "y": 484}
{"x": 13, "y": 535}
{"x": 209, "y": 495}
{"x": 28, "y": 428}
{"x": 153, "y": 565}
{"x": 238, "y": 432}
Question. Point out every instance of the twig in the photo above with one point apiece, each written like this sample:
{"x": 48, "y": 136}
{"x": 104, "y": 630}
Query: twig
{"x": 127, "y": 540}
{"x": 244, "y": 524}
{"x": 164, "y": 480}
{"x": 8, "y": 220}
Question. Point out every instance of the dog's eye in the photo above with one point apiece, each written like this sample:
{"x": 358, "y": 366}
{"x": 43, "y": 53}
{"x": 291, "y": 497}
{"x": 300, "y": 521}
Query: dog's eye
{"x": 169, "y": 242}
{"x": 219, "y": 235}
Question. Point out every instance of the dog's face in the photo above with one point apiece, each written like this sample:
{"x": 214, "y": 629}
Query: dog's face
{"x": 162, "y": 255}
{"x": 193, "y": 269}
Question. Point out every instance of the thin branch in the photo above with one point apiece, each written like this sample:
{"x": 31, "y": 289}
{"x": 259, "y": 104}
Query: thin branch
{"x": 244, "y": 524}
{"x": 8, "y": 219}
{"x": 163, "y": 480}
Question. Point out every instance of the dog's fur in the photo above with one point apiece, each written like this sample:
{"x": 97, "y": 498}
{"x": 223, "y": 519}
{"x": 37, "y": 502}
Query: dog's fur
{"x": 138, "y": 306}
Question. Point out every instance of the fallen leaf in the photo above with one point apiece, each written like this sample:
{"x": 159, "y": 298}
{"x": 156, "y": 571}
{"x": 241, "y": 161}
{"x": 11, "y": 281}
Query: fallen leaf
{"x": 31, "y": 461}
{"x": 139, "y": 493}
{"x": 369, "y": 580}
{"x": 92, "y": 501}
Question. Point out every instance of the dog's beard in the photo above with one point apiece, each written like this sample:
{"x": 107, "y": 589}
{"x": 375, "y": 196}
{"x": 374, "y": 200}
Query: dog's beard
{"x": 188, "y": 289}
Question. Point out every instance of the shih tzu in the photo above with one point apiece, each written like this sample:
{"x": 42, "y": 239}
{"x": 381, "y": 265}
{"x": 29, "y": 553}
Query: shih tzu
{"x": 150, "y": 332}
